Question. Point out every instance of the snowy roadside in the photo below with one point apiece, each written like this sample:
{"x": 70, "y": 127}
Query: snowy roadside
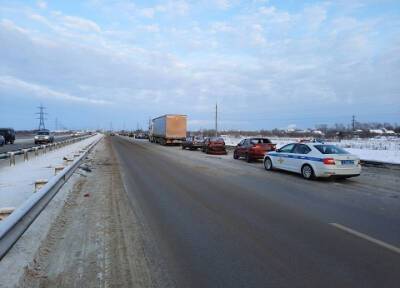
{"x": 368, "y": 150}
{"x": 17, "y": 183}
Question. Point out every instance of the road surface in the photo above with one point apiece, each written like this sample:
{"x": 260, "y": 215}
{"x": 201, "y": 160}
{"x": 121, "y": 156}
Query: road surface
{"x": 154, "y": 216}
{"x": 222, "y": 223}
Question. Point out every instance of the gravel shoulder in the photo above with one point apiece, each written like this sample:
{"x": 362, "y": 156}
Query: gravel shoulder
{"x": 95, "y": 240}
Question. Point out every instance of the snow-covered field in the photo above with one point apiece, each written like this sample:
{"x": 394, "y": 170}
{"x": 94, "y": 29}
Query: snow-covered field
{"x": 374, "y": 149}
{"x": 17, "y": 183}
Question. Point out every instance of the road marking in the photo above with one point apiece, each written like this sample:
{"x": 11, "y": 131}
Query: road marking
{"x": 366, "y": 237}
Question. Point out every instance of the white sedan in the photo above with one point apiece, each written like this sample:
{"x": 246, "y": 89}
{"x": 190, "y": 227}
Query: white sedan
{"x": 314, "y": 160}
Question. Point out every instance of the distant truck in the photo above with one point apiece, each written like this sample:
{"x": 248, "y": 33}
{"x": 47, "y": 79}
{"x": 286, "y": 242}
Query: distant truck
{"x": 168, "y": 129}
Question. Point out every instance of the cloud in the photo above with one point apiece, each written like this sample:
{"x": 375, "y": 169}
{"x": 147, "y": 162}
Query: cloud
{"x": 255, "y": 60}
{"x": 9, "y": 83}
{"x": 81, "y": 24}
{"x": 41, "y": 4}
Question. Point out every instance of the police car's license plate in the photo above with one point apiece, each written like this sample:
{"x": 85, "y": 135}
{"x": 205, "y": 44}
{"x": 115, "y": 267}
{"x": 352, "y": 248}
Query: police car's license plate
{"x": 347, "y": 162}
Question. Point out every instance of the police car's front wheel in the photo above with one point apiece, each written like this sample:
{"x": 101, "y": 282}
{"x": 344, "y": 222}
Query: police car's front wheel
{"x": 268, "y": 164}
{"x": 307, "y": 172}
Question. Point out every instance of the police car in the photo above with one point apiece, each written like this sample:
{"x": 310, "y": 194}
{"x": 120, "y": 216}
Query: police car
{"x": 313, "y": 160}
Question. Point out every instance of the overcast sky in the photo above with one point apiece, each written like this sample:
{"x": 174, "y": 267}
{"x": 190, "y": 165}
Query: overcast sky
{"x": 267, "y": 63}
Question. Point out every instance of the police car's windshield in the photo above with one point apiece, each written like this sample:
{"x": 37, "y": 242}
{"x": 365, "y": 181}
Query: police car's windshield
{"x": 330, "y": 149}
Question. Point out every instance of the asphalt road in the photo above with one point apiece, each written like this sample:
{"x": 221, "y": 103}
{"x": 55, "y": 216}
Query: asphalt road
{"x": 217, "y": 222}
{"x": 24, "y": 143}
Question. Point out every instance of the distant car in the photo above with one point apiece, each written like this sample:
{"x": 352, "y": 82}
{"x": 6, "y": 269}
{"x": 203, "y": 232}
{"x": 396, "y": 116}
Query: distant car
{"x": 43, "y": 136}
{"x": 2, "y": 140}
{"x": 193, "y": 142}
{"x": 253, "y": 148}
{"x": 313, "y": 160}
{"x": 142, "y": 136}
{"x": 8, "y": 134}
{"x": 131, "y": 134}
{"x": 214, "y": 145}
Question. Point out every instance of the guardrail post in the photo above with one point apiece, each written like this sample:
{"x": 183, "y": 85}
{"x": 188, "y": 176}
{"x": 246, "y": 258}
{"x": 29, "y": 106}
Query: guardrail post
{"x": 12, "y": 158}
{"x": 36, "y": 149}
{"x": 26, "y": 156}
{"x": 68, "y": 160}
{"x": 44, "y": 148}
{"x": 5, "y": 211}
{"x": 40, "y": 183}
{"x": 57, "y": 169}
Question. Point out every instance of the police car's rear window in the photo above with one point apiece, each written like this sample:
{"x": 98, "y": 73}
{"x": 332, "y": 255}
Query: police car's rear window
{"x": 330, "y": 149}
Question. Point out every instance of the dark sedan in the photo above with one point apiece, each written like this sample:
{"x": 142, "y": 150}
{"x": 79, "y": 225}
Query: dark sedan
{"x": 193, "y": 143}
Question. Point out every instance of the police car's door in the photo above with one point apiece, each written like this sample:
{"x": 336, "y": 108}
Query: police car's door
{"x": 300, "y": 152}
{"x": 282, "y": 161}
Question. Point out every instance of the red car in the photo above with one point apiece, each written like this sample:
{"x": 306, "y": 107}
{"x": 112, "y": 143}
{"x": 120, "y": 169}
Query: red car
{"x": 214, "y": 145}
{"x": 253, "y": 148}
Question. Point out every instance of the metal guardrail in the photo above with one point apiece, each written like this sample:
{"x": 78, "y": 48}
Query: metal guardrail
{"x": 20, "y": 151}
{"x": 12, "y": 227}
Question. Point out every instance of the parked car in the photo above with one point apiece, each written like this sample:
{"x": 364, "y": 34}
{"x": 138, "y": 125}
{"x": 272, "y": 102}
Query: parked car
{"x": 253, "y": 148}
{"x": 214, "y": 145}
{"x": 8, "y": 134}
{"x": 193, "y": 142}
{"x": 313, "y": 160}
{"x": 2, "y": 140}
{"x": 131, "y": 134}
{"x": 43, "y": 136}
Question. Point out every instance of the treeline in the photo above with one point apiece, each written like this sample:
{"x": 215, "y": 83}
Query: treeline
{"x": 341, "y": 131}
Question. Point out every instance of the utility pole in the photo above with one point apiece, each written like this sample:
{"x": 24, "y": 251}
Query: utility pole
{"x": 216, "y": 119}
{"x": 353, "y": 122}
{"x": 56, "y": 125}
{"x": 41, "y": 118}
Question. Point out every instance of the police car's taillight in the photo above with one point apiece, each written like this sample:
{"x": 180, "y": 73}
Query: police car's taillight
{"x": 329, "y": 161}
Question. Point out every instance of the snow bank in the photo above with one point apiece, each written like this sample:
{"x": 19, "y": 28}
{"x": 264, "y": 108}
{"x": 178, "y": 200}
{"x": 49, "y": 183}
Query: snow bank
{"x": 384, "y": 149}
{"x": 17, "y": 182}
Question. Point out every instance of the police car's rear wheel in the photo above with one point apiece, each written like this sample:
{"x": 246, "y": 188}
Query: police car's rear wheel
{"x": 268, "y": 164}
{"x": 307, "y": 172}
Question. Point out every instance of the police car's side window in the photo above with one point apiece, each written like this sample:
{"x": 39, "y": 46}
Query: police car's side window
{"x": 301, "y": 149}
{"x": 287, "y": 149}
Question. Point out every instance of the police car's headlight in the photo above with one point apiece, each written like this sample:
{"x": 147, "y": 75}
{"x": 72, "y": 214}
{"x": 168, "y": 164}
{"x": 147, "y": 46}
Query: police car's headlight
{"x": 36, "y": 137}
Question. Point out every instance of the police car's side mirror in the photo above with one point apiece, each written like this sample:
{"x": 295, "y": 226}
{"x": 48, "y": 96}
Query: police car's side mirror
{"x": 278, "y": 150}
